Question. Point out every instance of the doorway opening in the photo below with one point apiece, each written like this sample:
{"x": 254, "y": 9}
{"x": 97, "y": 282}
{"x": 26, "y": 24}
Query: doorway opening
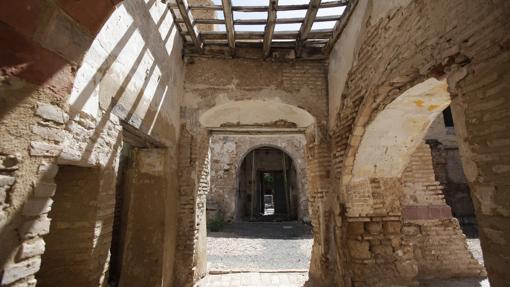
{"x": 267, "y": 186}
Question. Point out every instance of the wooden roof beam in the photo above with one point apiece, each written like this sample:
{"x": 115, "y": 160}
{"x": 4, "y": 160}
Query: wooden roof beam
{"x": 187, "y": 18}
{"x": 229, "y": 25}
{"x": 306, "y": 27}
{"x": 269, "y": 29}
{"x": 280, "y": 35}
{"x": 330, "y": 4}
{"x": 262, "y": 21}
{"x": 340, "y": 26}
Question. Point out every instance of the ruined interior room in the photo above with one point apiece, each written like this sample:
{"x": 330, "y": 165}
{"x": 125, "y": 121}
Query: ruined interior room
{"x": 350, "y": 143}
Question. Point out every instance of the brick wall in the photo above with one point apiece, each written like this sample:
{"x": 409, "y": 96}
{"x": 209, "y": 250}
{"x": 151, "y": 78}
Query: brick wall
{"x": 441, "y": 40}
{"x": 439, "y": 245}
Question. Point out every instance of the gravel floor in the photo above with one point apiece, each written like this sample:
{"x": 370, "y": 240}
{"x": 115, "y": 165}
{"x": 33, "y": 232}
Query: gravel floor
{"x": 260, "y": 246}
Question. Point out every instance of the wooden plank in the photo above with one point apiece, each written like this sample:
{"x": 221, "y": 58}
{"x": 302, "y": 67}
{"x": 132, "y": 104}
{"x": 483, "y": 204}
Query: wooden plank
{"x": 253, "y": 183}
{"x": 269, "y": 30}
{"x": 306, "y": 27}
{"x": 340, "y": 26}
{"x": 283, "y": 20}
{"x": 279, "y": 35}
{"x": 285, "y": 183}
{"x": 292, "y": 7}
{"x": 229, "y": 25}
{"x": 183, "y": 7}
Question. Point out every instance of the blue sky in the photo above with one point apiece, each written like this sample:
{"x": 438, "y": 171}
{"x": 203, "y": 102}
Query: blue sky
{"x": 280, "y": 14}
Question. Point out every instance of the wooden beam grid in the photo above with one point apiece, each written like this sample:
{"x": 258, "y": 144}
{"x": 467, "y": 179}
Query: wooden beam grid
{"x": 301, "y": 40}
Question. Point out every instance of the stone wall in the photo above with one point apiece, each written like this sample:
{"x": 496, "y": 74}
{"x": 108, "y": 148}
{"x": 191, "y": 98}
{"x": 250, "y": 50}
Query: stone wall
{"x": 227, "y": 154}
{"x": 441, "y": 40}
{"x": 297, "y": 88}
{"x": 83, "y": 79}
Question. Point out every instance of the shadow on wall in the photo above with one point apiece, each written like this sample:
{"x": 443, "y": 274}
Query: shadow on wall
{"x": 109, "y": 80}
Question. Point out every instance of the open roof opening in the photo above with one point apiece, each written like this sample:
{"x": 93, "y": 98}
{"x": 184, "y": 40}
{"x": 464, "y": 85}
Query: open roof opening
{"x": 308, "y": 27}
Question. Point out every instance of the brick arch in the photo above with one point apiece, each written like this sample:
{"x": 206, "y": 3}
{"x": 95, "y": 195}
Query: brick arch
{"x": 475, "y": 76}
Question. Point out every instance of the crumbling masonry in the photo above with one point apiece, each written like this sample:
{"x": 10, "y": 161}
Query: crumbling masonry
{"x": 116, "y": 118}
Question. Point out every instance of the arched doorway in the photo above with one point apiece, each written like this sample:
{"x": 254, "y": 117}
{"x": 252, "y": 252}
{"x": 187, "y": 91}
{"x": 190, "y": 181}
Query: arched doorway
{"x": 267, "y": 186}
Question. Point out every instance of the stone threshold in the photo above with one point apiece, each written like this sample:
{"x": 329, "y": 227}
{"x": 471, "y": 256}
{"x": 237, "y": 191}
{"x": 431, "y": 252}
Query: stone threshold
{"x": 231, "y": 271}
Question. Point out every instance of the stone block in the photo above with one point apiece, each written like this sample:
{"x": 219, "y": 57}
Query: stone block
{"x": 45, "y": 67}
{"x": 90, "y": 14}
{"x": 9, "y": 162}
{"x": 44, "y": 149}
{"x": 66, "y": 38}
{"x": 20, "y": 270}
{"x": 392, "y": 227}
{"x": 5, "y": 184}
{"x": 410, "y": 230}
{"x": 49, "y": 133}
{"x": 359, "y": 249}
{"x": 23, "y": 15}
{"x": 6, "y": 180}
{"x": 374, "y": 227}
{"x": 383, "y": 250}
{"x": 35, "y": 227}
{"x": 51, "y": 113}
{"x": 31, "y": 248}
{"x": 44, "y": 189}
{"x": 35, "y": 207}
{"x": 355, "y": 228}
{"x": 47, "y": 171}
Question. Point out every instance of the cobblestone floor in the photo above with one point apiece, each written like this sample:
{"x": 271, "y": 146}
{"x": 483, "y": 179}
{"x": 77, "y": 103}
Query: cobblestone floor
{"x": 254, "y": 248}
{"x": 260, "y": 246}
{"x": 255, "y": 279}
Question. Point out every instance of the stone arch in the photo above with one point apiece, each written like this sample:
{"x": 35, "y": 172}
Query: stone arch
{"x": 299, "y": 171}
{"x": 244, "y": 144}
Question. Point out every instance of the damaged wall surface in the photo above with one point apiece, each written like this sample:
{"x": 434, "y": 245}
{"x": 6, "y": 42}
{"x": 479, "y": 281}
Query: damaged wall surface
{"x": 227, "y": 155}
{"x": 85, "y": 79}
{"x": 389, "y": 61}
{"x": 81, "y": 80}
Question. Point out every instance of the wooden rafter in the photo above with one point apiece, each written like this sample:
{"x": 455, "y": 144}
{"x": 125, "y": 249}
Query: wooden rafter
{"x": 229, "y": 25}
{"x": 269, "y": 29}
{"x": 187, "y": 18}
{"x": 279, "y": 35}
{"x": 329, "y": 4}
{"x": 340, "y": 26}
{"x": 263, "y": 21}
{"x": 306, "y": 27}
{"x": 302, "y": 43}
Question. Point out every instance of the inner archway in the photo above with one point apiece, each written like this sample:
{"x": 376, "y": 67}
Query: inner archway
{"x": 267, "y": 186}
{"x": 257, "y": 204}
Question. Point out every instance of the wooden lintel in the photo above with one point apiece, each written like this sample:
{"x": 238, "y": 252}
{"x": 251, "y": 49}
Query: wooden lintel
{"x": 306, "y": 27}
{"x": 229, "y": 25}
{"x": 187, "y": 18}
{"x": 269, "y": 29}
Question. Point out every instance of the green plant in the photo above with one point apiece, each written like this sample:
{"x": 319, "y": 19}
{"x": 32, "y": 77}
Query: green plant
{"x": 216, "y": 224}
